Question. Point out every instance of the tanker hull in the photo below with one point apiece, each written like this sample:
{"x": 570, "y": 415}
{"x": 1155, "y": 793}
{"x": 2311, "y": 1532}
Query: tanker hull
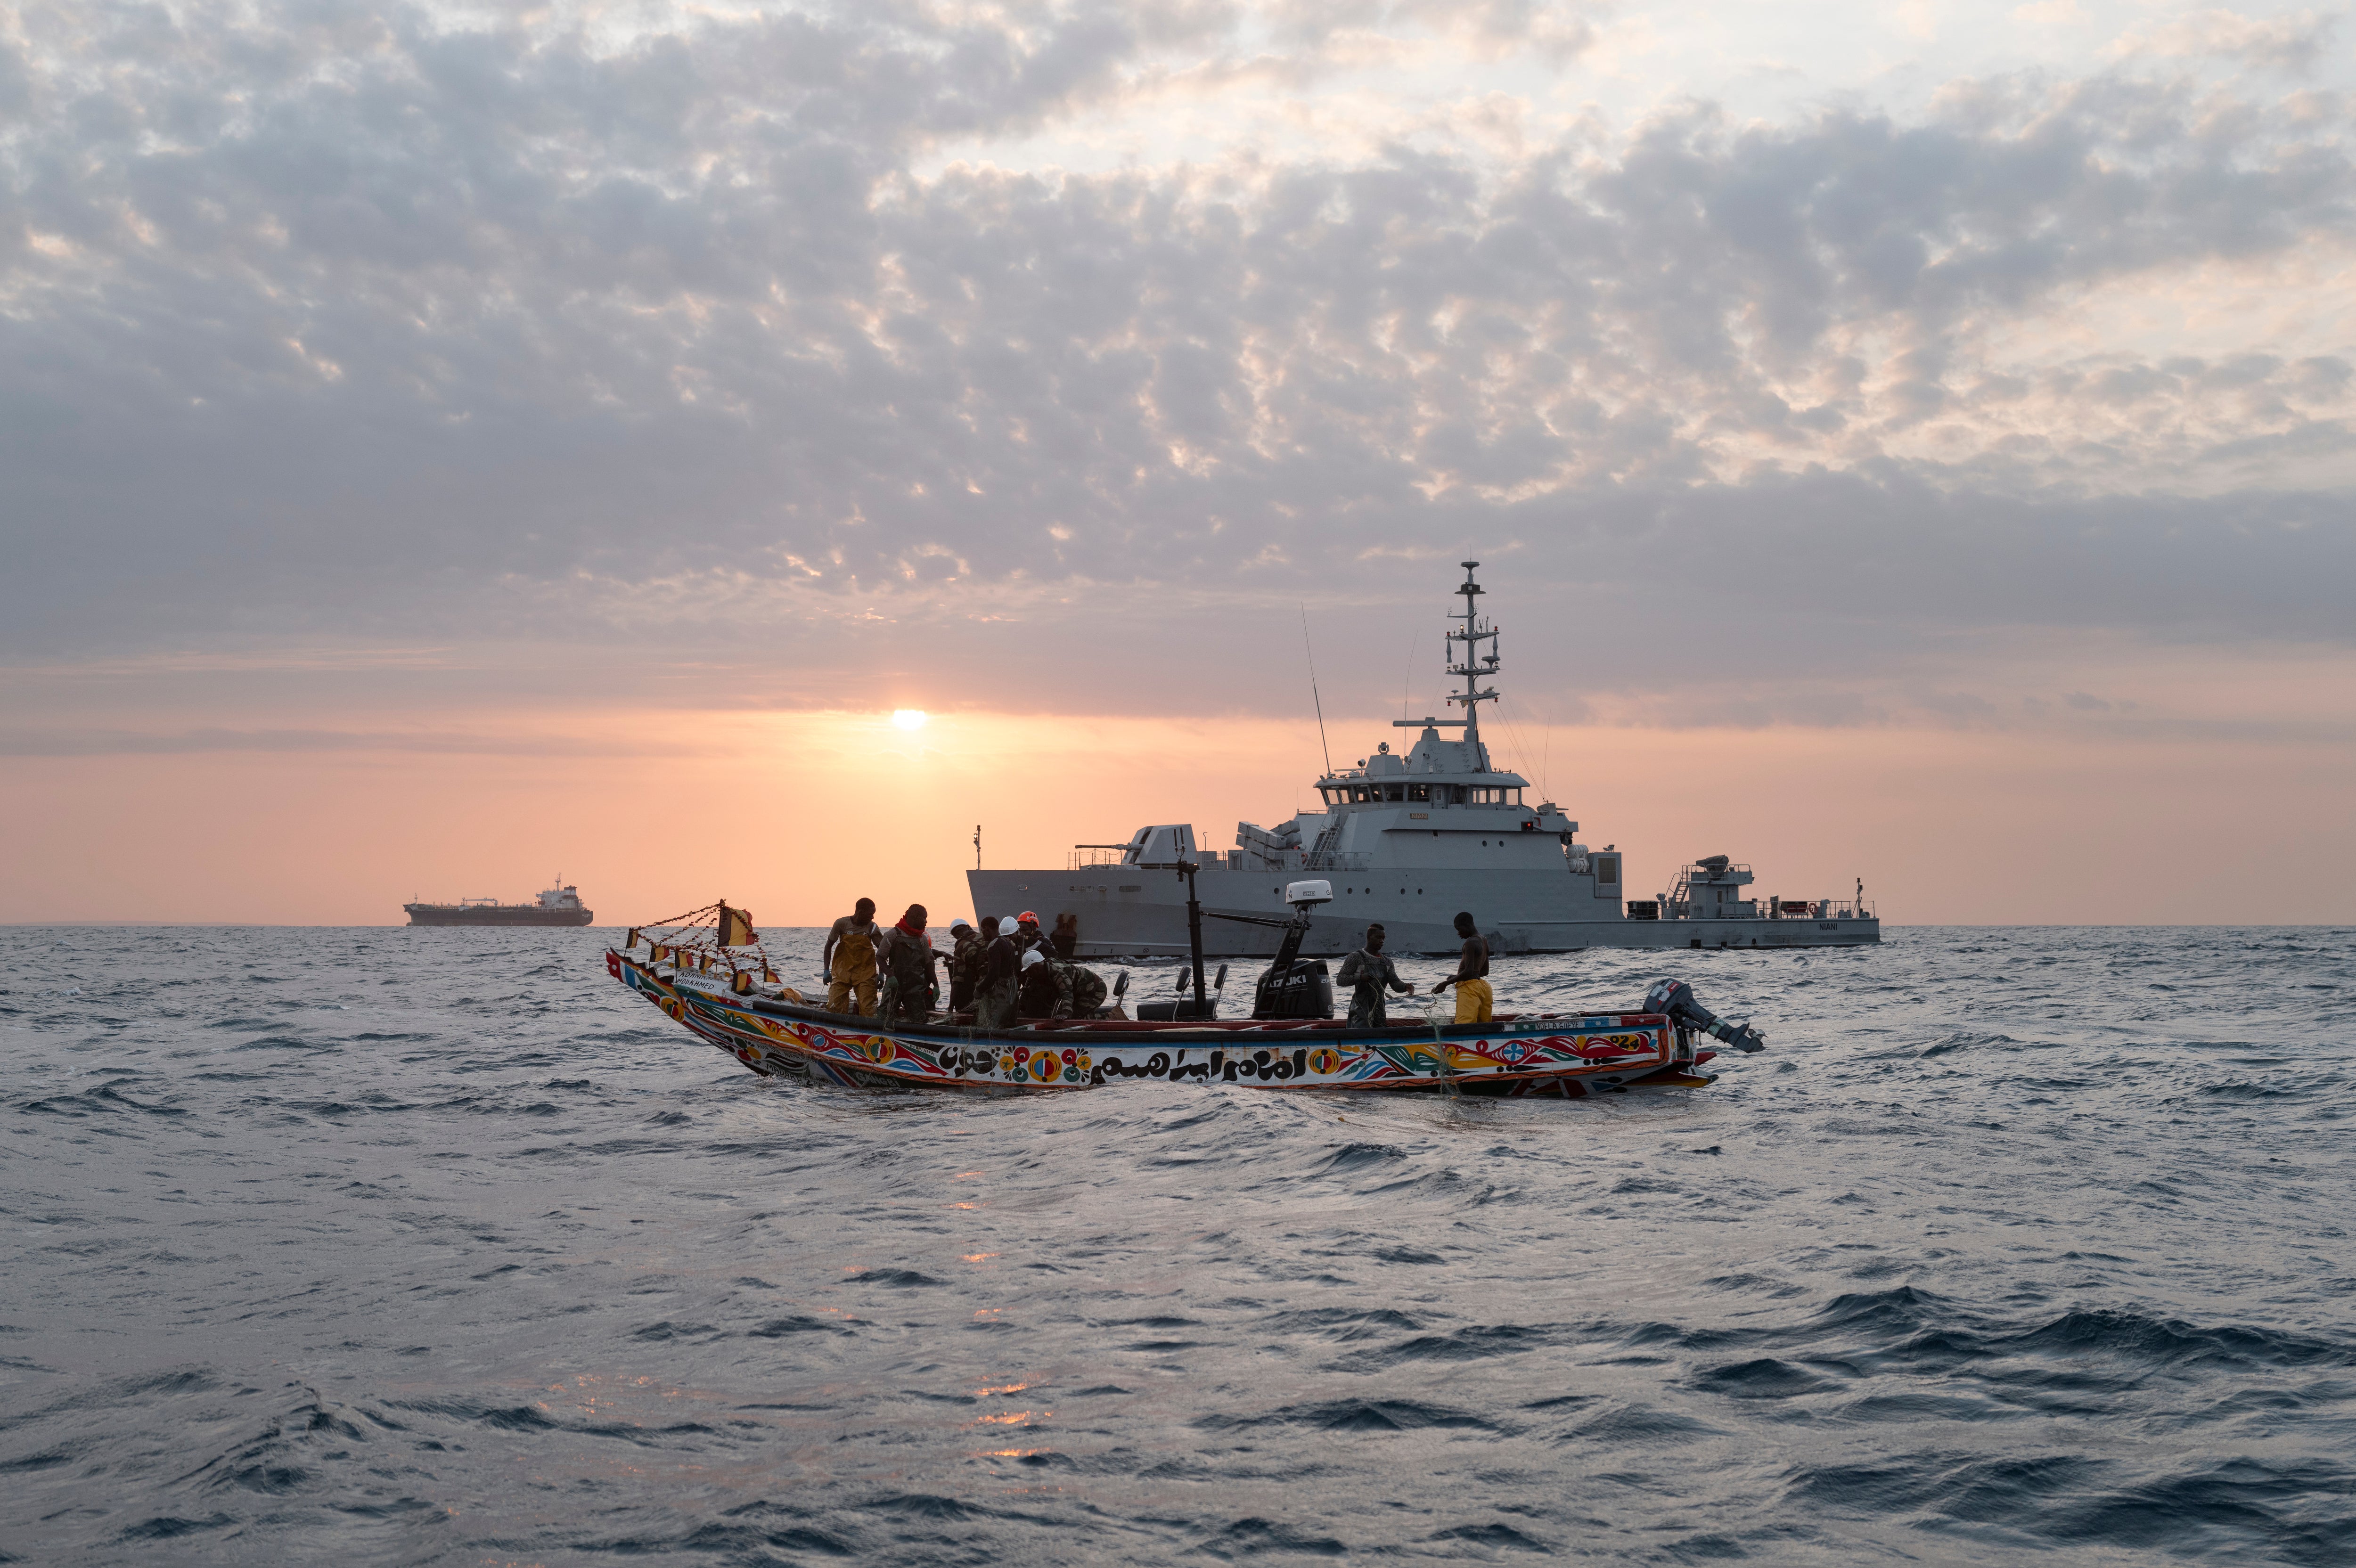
{"x": 495, "y": 914}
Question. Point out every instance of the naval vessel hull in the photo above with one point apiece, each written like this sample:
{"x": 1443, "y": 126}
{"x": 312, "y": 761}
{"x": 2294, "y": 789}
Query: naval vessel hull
{"x": 1133, "y": 911}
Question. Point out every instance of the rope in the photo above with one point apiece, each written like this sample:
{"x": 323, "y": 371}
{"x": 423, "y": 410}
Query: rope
{"x": 1440, "y": 1049}
{"x": 675, "y": 932}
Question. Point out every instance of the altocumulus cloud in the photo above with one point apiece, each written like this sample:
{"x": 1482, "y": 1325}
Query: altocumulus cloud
{"x": 389, "y": 322}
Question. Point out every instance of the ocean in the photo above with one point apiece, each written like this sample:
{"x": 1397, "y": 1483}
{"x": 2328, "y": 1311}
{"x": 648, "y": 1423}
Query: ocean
{"x": 437, "y": 1246}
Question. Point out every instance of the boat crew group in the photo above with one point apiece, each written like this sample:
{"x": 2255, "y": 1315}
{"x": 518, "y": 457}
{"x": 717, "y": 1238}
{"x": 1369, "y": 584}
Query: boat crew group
{"x": 1011, "y": 969}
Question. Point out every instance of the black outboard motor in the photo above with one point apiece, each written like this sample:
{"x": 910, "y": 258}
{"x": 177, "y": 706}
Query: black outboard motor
{"x": 1676, "y": 998}
{"x": 1294, "y": 987}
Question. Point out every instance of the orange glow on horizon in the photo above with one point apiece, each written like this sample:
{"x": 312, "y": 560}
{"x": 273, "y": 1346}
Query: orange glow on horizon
{"x": 794, "y": 816}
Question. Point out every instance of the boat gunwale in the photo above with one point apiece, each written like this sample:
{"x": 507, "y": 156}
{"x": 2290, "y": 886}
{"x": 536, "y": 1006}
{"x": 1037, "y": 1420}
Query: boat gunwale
{"x": 1120, "y": 1030}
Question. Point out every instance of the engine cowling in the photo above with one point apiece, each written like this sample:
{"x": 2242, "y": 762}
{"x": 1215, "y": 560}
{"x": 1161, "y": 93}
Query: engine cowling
{"x": 1675, "y": 999}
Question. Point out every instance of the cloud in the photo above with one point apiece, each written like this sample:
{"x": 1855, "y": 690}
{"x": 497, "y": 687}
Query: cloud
{"x": 2290, "y": 43}
{"x": 90, "y": 742}
{"x": 416, "y": 326}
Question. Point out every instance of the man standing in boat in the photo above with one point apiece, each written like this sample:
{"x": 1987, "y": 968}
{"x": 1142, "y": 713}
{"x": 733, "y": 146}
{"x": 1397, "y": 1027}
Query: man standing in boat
{"x": 907, "y": 956}
{"x": 993, "y": 997}
{"x": 849, "y": 961}
{"x": 1475, "y": 1004}
{"x": 1370, "y": 969}
{"x": 964, "y": 963}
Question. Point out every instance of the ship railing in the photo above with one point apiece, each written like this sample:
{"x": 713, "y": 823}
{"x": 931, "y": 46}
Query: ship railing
{"x": 1085, "y": 855}
{"x": 1819, "y": 909}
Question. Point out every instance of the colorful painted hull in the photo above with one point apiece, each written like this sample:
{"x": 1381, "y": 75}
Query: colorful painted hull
{"x": 1545, "y": 1053}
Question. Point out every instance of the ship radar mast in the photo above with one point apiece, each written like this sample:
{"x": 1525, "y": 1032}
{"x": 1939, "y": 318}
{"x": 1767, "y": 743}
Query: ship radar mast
{"x": 1475, "y": 666}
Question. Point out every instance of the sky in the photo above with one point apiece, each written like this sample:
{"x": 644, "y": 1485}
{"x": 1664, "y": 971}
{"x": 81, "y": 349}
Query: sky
{"x": 447, "y": 446}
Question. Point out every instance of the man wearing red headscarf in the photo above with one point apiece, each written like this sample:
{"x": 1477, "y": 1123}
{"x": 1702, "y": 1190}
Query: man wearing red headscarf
{"x": 907, "y": 959}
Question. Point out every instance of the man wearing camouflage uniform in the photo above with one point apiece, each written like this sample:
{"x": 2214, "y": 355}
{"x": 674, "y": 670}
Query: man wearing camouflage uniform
{"x": 1089, "y": 990}
{"x": 965, "y": 965}
{"x": 1046, "y": 991}
{"x": 993, "y": 992}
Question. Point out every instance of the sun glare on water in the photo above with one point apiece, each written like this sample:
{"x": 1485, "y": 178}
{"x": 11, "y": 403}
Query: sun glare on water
{"x": 909, "y": 717}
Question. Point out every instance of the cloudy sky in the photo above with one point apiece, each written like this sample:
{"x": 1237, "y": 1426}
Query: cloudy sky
{"x": 445, "y": 445}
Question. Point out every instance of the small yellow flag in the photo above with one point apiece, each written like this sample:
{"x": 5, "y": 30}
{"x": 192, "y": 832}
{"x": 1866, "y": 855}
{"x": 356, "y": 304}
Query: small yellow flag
{"x": 736, "y": 927}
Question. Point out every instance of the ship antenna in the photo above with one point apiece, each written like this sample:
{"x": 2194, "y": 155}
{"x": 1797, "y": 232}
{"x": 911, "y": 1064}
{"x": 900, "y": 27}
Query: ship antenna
{"x": 1472, "y": 668}
{"x": 1313, "y": 691}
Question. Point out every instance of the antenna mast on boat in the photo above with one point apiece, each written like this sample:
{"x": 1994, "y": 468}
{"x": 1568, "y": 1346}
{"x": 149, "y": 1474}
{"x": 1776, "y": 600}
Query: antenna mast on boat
{"x": 1313, "y": 691}
{"x": 1475, "y": 666}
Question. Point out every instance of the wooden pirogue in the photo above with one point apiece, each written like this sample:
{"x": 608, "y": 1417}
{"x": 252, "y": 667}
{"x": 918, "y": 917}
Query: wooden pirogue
{"x": 732, "y": 998}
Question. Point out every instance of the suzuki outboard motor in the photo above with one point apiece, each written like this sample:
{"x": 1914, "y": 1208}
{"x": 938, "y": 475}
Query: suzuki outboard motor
{"x": 1294, "y": 987}
{"x": 1676, "y": 998}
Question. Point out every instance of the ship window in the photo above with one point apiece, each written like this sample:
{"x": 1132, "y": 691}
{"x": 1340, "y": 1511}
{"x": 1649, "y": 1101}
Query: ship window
{"x": 1419, "y": 791}
{"x": 1395, "y": 791}
{"x": 1607, "y": 868}
{"x": 1513, "y": 797}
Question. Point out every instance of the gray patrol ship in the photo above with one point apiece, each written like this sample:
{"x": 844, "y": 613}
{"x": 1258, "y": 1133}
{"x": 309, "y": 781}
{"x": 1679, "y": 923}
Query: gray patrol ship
{"x": 1408, "y": 841}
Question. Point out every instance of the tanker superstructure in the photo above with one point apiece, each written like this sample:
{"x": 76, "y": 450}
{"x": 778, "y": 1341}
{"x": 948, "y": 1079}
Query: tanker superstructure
{"x": 1407, "y": 840}
{"x": 559, "y": 905}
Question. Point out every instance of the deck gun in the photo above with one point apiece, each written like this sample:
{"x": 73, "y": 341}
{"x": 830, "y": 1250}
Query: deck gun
{"x": 1676, "y": 998}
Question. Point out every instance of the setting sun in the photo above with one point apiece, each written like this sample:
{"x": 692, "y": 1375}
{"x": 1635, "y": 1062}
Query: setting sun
{"x": 909, "y": 717}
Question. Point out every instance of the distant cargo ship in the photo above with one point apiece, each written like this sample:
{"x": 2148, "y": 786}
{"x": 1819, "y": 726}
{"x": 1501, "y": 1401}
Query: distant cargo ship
{"x": 559, "y": 905}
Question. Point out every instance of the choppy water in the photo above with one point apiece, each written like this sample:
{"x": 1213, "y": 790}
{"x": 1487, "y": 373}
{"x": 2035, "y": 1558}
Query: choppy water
{"x": 437, "y": 1246}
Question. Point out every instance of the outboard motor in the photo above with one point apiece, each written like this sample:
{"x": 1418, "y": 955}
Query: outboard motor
{"x": 1294, "y": 987}
{"x": 1676, "y": 998}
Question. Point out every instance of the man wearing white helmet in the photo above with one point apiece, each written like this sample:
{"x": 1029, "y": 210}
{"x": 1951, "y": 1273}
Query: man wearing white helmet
{"x": 965, "y": 963}
{"x": 1046, "y": 986}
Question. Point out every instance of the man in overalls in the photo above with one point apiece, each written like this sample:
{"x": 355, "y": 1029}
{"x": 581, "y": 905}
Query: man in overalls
{"x": 849, "y": 961}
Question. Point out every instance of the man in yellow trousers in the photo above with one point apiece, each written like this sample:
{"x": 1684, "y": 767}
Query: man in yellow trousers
{"x": 1475, "y": 1005}
{"x": 850, "y": 961}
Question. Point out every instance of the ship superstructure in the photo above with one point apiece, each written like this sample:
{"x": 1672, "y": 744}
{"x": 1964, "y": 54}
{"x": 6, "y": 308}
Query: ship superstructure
{"x": 559, "y": 905}
{"x": 1408, "y": 839}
